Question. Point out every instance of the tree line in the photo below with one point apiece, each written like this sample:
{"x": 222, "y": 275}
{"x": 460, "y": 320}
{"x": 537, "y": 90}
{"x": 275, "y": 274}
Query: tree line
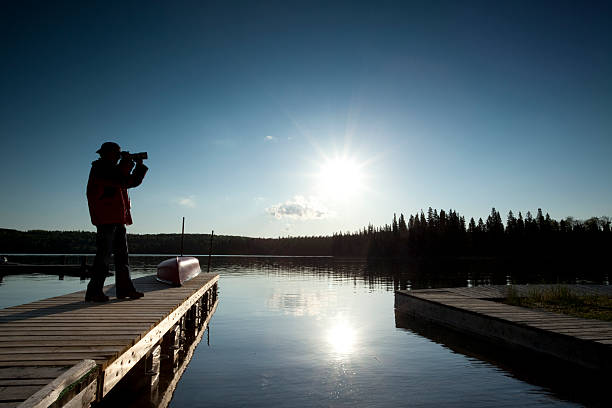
{"x": 84, "y": 242}
{"x": 445, "y": 234}
{"x": 435, "y": 234}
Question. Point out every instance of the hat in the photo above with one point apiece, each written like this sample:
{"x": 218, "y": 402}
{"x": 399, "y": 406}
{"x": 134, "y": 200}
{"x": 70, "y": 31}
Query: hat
{"x": 108, "y": 147}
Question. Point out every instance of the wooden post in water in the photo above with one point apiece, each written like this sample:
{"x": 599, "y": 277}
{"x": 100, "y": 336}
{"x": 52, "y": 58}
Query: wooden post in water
{"x": 205, "y": 305}
{"x": 171, "y": 344}
{"x": 182, "y": 235}
{"x": 152, "y": 369}
{"x": 210, "y": 251}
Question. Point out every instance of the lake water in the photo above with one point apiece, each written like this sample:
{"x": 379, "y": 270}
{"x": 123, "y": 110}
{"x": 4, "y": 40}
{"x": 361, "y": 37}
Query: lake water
{"x": 304, "y": 332}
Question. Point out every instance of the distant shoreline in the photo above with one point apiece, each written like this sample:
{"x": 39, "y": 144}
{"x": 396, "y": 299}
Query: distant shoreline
{"x": 170, "y": 254}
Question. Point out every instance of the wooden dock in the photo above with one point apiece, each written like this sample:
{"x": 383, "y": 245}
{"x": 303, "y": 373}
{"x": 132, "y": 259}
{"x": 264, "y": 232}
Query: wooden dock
{"x": 585, "y": 342}
{"x": 63, "y": 351}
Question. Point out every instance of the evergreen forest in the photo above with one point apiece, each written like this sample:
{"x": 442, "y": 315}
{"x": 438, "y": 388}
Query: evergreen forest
{"x": 444, "y": 234}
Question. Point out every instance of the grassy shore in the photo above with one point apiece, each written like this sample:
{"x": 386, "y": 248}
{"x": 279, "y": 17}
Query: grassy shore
{"x": 561, "y": 299}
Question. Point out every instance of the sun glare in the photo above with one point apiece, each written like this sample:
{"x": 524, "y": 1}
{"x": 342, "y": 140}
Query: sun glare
{"x": 341, "y": 338}
{"x": 340, "y": 177}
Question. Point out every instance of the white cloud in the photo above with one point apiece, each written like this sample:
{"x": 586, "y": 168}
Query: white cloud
{"x": 299, "y": 208}
{"x": 187, "y": 202}
{"x": 269, "y": 138}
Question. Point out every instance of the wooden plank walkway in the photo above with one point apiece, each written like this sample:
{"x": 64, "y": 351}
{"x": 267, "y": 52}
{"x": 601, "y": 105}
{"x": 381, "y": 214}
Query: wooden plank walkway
{"x": 583, "y": 341}
{"x": 41, "y": 340}
{"x": 501, "y": 291}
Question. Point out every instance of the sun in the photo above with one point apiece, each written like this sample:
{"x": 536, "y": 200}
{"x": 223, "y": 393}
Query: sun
{"x": 340, "y": 177}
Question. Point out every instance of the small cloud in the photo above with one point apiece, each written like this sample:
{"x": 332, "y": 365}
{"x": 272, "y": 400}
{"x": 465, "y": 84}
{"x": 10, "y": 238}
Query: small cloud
{"x": 187, "y": 202}
{"x": 299, "y": 208}
{"x": 269, "y": 138}
{"x": 258, "y": 199}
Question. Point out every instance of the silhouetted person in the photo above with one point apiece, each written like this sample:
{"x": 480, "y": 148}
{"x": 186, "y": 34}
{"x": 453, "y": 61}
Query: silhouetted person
{"x": 109, "y": 208}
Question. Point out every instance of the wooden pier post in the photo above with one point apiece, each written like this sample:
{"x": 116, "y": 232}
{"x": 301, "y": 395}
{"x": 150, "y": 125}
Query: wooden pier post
{"x": 152, "y": 371}
{"x": 170, "y": 348}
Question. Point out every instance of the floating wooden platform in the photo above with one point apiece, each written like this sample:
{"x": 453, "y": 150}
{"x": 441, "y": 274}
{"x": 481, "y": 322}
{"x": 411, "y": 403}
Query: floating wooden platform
{"x": 42, "y": 342}
{"x": 472, "y": 310}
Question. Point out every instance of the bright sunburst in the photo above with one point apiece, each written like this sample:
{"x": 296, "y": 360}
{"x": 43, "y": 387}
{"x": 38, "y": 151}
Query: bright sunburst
{"x": 340, "y": 177}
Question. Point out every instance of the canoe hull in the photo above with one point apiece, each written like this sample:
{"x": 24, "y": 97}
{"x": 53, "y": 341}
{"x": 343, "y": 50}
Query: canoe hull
{"x": 175, "y": 271}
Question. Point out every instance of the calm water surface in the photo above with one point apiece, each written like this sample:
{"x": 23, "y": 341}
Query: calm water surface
{"x": 303, "y": 332}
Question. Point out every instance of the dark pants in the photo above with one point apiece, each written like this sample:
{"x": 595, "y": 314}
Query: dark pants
{"x": 111, "y": 238}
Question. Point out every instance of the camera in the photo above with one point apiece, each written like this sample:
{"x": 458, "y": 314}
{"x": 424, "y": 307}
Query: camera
{"x": 134, "y": 156}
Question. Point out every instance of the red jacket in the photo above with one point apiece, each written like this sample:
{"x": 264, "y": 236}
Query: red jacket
{"x": 107, "y": 194}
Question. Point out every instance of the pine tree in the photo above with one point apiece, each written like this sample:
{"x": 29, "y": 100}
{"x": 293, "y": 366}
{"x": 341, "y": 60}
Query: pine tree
{"x": 520, "y": 224}
{"x": 540, "y": 220}
{"x": 472, "y": 226}
{"x": 511, "y": 223}
{"x": 430, "y": 218}
{"x": 403, "y": 228}
{"x": 442, "y": 221}
{"x": 394, "y": 225}
{"x": 494, "y": 222}
{"x": 530, "y": 224}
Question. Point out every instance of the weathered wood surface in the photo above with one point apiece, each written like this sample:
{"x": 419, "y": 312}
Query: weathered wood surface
{"x": 584, "y": 341}
{"x": 50, "y": 392}
{"x": 41, "y": 340}
{"x": 501, "y": 291}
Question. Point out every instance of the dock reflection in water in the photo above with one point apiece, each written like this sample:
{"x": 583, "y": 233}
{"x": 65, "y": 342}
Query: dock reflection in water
{"x": 567, "y": 381}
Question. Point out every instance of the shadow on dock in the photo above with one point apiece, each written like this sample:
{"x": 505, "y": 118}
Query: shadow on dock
{"x": 148, "y": 285}
{"x": 564, "y": 380}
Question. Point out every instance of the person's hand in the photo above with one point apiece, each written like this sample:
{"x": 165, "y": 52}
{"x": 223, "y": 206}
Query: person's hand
{"x": 127, "y": 162}
{"x": 138, "y": 161}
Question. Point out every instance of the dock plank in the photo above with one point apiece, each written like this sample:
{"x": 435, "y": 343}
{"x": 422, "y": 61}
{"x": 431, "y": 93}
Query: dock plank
{"x": 22, "y": 382}
{"x": 17, "y": 393}
{"x": 59, "y": 349}
{"x": 42, "y": 364}
{"x": 37, "y": 357}
{"x": 87, "y": 339}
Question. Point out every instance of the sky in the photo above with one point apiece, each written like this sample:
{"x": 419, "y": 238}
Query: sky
{"x": 270, "y": 119}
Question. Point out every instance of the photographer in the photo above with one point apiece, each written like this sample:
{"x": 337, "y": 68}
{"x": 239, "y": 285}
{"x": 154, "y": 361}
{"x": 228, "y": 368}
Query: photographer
{"x": 109, "y": 208}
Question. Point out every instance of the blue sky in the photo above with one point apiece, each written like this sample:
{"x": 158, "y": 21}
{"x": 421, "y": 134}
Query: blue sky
{"x": 249, "y": 109}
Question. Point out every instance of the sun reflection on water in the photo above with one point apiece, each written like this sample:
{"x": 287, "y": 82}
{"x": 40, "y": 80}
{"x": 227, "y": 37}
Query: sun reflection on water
{"x": 341, "y": 338}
